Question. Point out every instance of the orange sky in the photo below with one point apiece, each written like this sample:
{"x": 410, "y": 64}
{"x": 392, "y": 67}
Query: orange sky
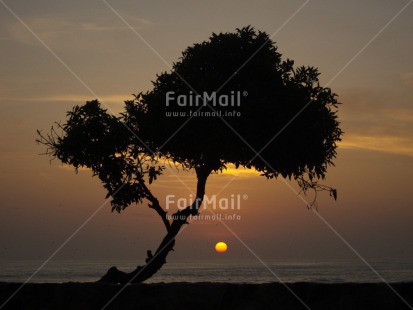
{"x": 42, "y": 204}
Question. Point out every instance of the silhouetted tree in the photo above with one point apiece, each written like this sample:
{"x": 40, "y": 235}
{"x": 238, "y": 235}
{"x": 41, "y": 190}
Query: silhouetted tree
{"x": 285, "y": 124}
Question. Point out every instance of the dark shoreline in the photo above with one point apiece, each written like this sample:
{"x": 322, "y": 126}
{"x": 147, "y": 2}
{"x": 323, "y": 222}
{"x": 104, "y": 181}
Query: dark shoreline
{"x": 207, "y": 295}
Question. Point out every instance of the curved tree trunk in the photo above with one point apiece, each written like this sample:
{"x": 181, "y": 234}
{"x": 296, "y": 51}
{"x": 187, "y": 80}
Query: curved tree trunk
{"x": 156, "y": 261}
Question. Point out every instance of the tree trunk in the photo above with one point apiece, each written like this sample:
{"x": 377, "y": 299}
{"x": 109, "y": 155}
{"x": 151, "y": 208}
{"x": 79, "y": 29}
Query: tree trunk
{"x": 156, "y": 261}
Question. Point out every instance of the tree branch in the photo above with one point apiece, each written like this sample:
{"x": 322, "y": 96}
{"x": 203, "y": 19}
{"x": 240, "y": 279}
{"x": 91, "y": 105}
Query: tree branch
{"x": 155, "y": 205}
{"x": 305, "y": 185}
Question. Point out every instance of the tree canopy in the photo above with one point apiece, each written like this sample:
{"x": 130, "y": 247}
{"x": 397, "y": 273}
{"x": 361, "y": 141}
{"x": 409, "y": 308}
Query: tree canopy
{"x": 286, "y": 123}
{"x": 282, "y": 102}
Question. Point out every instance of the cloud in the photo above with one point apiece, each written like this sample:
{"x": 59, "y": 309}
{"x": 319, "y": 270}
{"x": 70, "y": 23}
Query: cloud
{"x": 71, "y": 169}
{"x": 380, "y": 119}
{"x": 114, "y": 102}
{"x": 136, "y": 22}
{"x": 240, "y": 172}
{"x": 51, "y": 29}
{"x": 388, "y": 144}
{"x": 407, "y": 79}
{"x": 80, "y": 99}
{"x": 47, "y": 28}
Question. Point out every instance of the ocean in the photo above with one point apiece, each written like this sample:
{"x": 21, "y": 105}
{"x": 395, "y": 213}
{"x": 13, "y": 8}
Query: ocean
{"x": 223, "y": 271}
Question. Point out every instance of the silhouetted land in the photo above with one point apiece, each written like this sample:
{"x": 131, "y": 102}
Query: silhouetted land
{"x": 207, "y": 296}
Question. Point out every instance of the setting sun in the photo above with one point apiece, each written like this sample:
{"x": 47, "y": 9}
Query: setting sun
{"x": 221, "y": 247}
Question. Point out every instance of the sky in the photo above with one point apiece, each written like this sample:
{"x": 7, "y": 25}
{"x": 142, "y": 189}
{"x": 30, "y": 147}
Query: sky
{"x": 57, "y": 54}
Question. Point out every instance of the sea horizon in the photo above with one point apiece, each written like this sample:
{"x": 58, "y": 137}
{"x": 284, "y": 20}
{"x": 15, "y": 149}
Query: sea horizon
{"x": 225, "y": 271}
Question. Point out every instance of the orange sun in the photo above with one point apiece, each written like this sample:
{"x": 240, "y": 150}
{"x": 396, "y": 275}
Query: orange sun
{"x": 221, "y": 247}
